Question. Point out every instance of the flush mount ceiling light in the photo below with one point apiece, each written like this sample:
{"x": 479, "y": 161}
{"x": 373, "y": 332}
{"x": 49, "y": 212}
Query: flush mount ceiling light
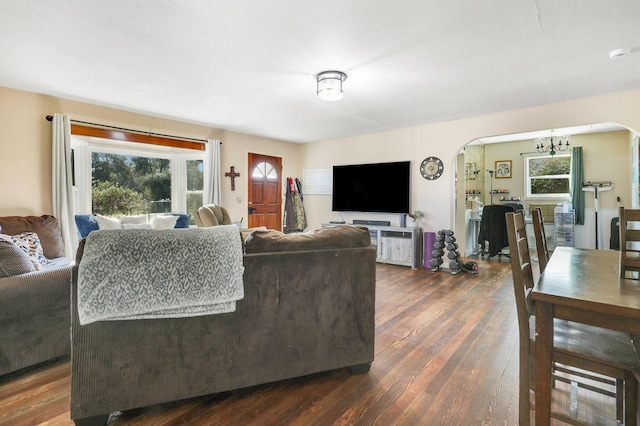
{"x": 329, "y": 86}
{"x": 618, "y": 53}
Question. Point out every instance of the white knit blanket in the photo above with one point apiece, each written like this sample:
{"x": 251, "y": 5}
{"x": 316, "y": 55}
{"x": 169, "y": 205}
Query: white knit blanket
{"x": 142, "y": 273}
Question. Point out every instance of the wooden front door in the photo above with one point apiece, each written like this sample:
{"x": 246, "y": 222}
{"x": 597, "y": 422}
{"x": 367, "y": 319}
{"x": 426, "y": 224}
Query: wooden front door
{"x": 265, "y": 191}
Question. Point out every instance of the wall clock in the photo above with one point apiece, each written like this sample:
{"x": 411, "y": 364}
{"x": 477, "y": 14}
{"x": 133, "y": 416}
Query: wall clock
{"x": 431, "y": 168}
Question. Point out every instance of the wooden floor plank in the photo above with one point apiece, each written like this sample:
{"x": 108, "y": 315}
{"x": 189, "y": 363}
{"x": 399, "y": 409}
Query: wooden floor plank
{"x": 446, "y": 353}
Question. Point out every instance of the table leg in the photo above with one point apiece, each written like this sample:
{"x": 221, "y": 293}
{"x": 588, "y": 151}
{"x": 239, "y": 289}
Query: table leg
{"x": 544, "y": 350}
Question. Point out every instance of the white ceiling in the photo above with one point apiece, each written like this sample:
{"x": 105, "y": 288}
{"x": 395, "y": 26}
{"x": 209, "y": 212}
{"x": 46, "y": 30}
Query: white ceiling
{"x": 249, "y": 65}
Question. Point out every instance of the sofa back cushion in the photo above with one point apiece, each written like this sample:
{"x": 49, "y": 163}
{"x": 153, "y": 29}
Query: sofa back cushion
{"x": 341, "y": 236}
{"x": 45, "y": 226}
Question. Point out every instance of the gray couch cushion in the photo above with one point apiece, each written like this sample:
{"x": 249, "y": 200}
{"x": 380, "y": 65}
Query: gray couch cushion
{"x": 13, "y": 260}
{"x": 341, "y": 236}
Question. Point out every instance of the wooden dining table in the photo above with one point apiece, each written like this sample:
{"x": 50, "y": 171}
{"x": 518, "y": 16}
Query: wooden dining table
{"x": 580, "y": 285}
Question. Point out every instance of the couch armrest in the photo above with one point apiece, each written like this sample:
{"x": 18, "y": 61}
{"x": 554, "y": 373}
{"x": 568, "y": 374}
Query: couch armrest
{"x": 34, "y": 292}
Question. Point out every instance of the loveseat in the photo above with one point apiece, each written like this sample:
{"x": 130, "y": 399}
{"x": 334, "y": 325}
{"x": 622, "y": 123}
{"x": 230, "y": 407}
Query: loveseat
{"x": 34, "y": 303}
{"x": 308, "y": 306}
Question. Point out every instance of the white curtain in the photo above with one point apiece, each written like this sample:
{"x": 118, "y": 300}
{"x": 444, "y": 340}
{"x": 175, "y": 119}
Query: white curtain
{"x": 62, "y": 183}
{"x": 212, "y": 183}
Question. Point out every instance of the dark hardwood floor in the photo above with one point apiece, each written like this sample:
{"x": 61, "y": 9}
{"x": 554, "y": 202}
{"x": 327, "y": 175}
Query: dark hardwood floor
{"x": 446, "y": 354}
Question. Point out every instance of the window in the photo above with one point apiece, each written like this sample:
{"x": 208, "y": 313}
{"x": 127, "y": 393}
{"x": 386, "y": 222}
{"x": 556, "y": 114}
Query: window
{"x": 263, "y": 170}
{"x": 548, "y": 176}
{"x": 115, "y": 177}
{"x": 195, "y": 184}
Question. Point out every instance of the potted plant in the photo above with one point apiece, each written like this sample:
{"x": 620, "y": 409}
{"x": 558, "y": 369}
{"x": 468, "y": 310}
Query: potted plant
{"x": 415, "y": 218}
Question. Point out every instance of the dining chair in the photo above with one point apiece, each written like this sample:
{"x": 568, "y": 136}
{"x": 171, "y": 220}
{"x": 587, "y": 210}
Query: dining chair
{"x": 542, "y": 250}
{"x": 595, "y": 351}
{"x": 629, "y": 241}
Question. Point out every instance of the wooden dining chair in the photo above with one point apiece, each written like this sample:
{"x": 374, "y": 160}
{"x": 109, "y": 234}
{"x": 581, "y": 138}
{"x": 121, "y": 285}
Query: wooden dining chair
{"x": 542, "y": 250}
{"x": 592, "y": 350}
{"x": 629, "y": 241}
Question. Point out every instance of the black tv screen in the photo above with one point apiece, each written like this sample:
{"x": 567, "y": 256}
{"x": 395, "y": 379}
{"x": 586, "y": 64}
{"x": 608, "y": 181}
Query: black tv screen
{"x": 380, "y": 187}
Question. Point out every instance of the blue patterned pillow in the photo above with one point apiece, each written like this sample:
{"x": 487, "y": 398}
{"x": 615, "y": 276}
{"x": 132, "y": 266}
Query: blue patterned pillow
{"x": 183, "y": 221}
{"x": 86, "y": 223}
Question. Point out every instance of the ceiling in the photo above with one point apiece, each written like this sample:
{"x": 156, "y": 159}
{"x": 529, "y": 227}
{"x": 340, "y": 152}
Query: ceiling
{"x": 249, "y": 65}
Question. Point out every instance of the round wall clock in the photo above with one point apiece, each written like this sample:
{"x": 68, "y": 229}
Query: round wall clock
{"x": 431, "y": 168}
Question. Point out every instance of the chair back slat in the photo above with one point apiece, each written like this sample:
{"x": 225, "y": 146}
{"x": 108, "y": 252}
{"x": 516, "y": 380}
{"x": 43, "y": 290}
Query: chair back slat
{"x": 629, "y": 241}
{"x": 521, "y": 269}
{"x": 541, "y": 238}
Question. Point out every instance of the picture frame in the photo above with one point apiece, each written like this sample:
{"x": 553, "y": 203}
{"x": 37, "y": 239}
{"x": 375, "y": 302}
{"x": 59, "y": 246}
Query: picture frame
{"x": 503, "y": 169}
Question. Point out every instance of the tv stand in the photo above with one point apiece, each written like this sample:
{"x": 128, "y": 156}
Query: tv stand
{"x": 371, "y": 222}
{"x": 394, "y": 244}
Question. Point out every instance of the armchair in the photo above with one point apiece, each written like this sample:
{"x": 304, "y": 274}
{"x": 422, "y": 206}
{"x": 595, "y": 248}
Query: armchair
{"x": 211, "y": 215}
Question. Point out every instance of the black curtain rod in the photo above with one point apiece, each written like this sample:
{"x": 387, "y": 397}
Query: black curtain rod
{"x": 50, "y": 118}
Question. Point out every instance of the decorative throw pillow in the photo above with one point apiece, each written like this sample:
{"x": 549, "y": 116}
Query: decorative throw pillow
{"x": 136, "y": 226}
{"x": 13, "y": 261}
{"x": 105, "y": 222}
{"x": 85, "y": 223}
{"x": 29, "y": 243}
{"x": 164, "y": 222}
{"x": 137, "y": 219}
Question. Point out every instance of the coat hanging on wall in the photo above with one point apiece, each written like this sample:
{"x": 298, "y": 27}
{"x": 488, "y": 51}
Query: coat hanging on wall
{"x": 295, "y": 219}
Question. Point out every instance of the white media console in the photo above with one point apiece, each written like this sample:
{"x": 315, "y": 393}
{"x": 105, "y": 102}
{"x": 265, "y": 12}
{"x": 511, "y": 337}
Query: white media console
{"x": 394, "y": 244}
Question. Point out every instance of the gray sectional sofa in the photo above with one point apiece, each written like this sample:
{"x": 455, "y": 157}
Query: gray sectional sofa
{"x": 34, "y": 304}
{"x": 308, "y": 306}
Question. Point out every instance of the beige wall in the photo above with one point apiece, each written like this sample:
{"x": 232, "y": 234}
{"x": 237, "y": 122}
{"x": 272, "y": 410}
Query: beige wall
{"x": 605, "y": 156}
{"x": 25, "y": 140}
{"x": 445, "y": 140}
{"x": 25, "y": 149}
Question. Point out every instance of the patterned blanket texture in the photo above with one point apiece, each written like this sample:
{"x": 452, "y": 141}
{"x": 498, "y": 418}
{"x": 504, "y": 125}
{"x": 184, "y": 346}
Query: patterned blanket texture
{"x": 143, "y": 273}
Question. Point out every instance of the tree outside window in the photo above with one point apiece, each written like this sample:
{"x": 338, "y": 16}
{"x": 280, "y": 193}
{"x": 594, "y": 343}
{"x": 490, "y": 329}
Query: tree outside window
{"x": 549, "y": 176}
{"x": 195, "y": 184}
{"x": 127, "y": 184}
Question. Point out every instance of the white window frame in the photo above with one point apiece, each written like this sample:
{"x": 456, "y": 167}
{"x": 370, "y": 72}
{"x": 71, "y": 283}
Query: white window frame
{"x": 189, "y": 157}
{"x": 85, "y": 146}
{"x": 527, "y": 178}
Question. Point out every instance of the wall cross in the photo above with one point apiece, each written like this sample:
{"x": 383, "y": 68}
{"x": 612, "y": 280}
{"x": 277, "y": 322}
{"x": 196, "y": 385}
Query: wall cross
{"x": 233, "y": 175}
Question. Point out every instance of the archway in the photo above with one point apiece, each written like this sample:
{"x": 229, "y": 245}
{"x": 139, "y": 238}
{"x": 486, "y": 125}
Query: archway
{"x": 607, "y": 147}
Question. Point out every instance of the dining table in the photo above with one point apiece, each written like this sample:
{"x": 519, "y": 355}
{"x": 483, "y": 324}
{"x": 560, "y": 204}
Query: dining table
{"x": 581, "y": 285}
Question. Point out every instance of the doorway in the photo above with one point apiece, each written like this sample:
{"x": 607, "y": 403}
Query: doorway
{"x": 604, "y": 145}
{"x": 265, "y": 191}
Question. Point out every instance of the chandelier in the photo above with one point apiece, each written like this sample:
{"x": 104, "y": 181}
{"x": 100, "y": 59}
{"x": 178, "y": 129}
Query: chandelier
{"x": 553, "y": 144}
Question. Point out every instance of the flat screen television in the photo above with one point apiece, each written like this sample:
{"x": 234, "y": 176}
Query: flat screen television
{"x": 379, "y": 187}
